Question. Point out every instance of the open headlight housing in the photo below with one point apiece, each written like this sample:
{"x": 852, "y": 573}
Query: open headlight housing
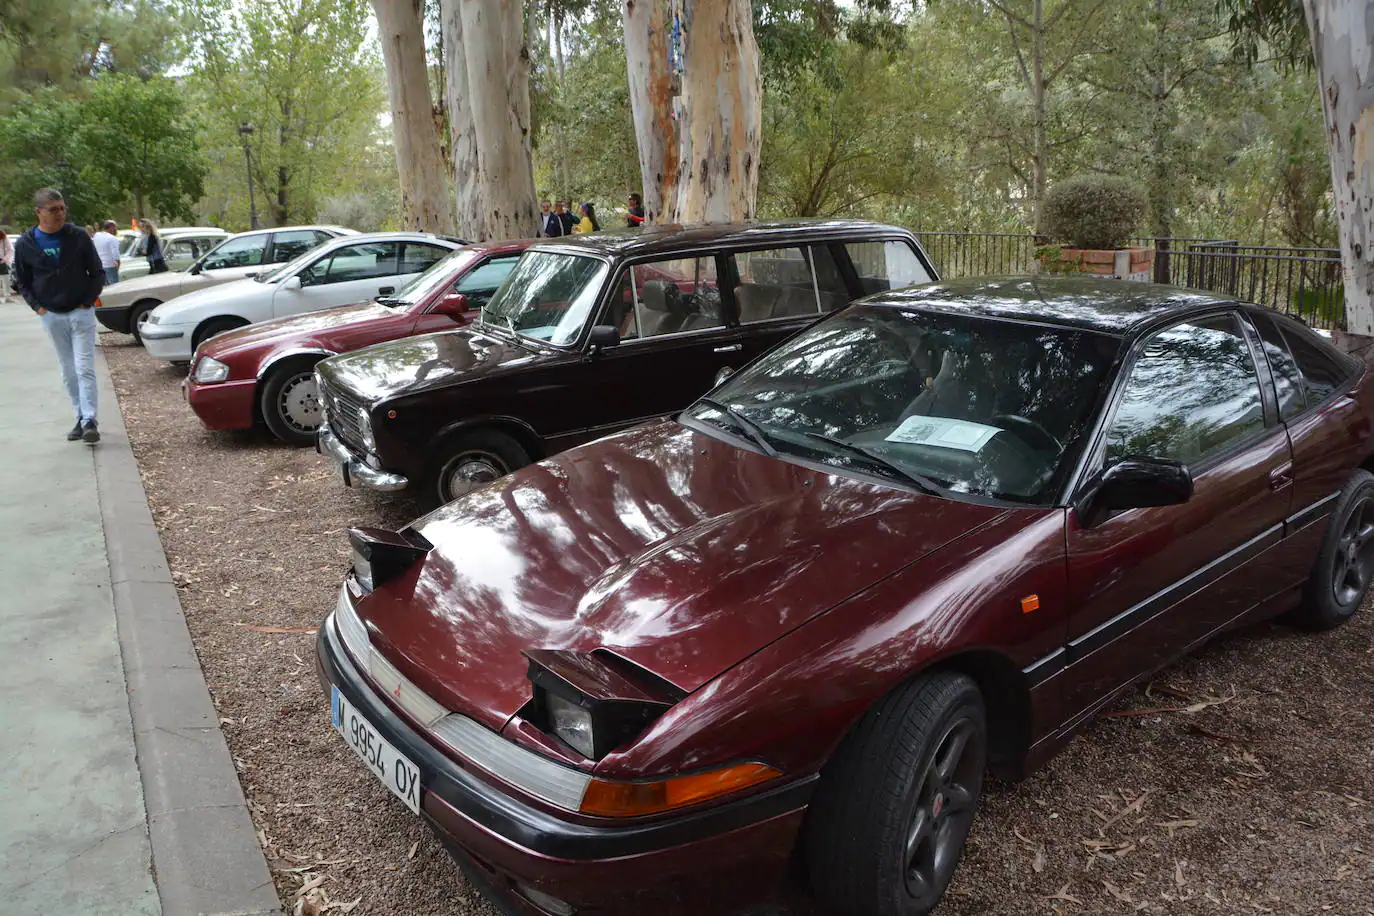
{"x": 380, "y": 555}
{"x": 209, "y": 370}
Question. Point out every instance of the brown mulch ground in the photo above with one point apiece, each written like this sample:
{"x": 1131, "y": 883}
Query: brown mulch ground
{"x": 1252, "y": 793}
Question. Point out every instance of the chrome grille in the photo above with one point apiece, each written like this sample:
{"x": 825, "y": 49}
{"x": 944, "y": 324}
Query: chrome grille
{"x": 341, "y": 410}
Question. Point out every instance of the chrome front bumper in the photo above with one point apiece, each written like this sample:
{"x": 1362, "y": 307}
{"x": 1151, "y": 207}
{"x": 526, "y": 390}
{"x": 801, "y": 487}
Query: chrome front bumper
{"x": 355, "y": 472}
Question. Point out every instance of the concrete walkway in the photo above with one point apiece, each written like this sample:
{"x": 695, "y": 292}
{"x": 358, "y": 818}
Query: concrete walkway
{"x": 87, "y": 609}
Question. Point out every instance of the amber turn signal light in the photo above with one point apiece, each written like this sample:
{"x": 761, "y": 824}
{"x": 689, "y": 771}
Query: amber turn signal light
{"x": 631, "y": 799}
{"x": 1030, "y": 603}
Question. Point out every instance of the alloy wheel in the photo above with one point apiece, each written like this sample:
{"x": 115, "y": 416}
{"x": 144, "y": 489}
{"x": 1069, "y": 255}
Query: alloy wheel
{"x": 299, "y": 403}
{"x": 1354, "y": 559}
{"x": 944, "y": 811}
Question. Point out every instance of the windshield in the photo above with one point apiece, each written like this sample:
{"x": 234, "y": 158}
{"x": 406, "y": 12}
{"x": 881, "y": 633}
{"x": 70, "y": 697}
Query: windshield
{"x": 438, "y": 273}
{"x": 547, "y": 296}
{"x": 933, "y": 400}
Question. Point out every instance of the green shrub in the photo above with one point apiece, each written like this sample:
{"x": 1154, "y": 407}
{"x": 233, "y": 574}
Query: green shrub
{"x": 1093, "y": 211}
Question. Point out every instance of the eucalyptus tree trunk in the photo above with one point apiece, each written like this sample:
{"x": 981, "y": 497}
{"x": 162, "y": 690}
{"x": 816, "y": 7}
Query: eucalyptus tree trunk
{"x": 1343, "y": 47}
{"x": 498, "y": 68}
{"x": 560, "y": 133}
{"x": 651, "y": 103}
{"x": 426, "y": 198}
{"x": 721, "y": 129}
{"x": 468, "y": 196}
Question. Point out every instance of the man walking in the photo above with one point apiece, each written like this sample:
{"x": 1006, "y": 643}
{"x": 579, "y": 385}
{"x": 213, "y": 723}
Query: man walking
{"x": 107, "y": 246}
{"x": 550, "y": 226}
{"x": 57, "y": 271}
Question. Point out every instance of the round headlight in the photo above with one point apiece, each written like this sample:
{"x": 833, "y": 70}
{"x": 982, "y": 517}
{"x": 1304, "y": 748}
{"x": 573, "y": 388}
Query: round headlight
{"x": 365, "y": 428}
{"x": 209, "y": 369}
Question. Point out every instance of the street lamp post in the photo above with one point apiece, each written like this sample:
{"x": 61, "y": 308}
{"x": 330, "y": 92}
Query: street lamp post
{"x": 246, "y": 131}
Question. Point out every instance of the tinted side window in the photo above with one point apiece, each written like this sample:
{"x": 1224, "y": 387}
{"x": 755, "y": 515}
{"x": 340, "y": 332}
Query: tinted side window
{"x": 885, "y": 265}
{"x": 1322, "y": 371}
{"x": 1287, "y": 379}
{"x": 287, "y": 246}
{"x": 481, "y": 283}
{"x": 1192, "y": 392}
{"x": 244, "y": 252}
{"x": 357, "y": 262}
{"x": 416, "y": 258}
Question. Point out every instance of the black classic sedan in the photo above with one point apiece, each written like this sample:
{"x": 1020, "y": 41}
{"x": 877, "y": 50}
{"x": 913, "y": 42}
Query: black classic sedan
{"x": 589, "y": 335}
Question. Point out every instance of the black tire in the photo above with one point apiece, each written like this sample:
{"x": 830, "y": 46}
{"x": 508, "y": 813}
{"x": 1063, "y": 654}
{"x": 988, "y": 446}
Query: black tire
{"x": 212, "y": 327}
{"x": 886, "y": 829}
{"x": 289, "y": 400}
{"x": 137, "y": 312}
{"x": 480, "y": 456}
{"x": 1345, "y": 564}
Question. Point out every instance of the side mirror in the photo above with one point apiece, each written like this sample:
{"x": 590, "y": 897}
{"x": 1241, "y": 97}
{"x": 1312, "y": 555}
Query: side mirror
{"x": 194, "y": 269}
{"x": 1137, "y": 483}
{"x": 604, "y": 335}
{"x": 724, "y": 373}
{"x": 451, "y": 304}
{"x": 292, "y": 282}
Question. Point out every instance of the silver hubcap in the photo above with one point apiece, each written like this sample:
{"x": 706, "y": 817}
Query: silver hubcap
{"x": 471, "y": 470}
{"x": 143, "y": 317}
{"x": 299, "y": 403}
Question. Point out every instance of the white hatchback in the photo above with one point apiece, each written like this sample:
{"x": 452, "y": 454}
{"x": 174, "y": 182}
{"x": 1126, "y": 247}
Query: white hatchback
{"x": 353, "y": 268}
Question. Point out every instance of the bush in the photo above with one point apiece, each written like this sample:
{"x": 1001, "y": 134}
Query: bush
{"x": 1093, "y": 211}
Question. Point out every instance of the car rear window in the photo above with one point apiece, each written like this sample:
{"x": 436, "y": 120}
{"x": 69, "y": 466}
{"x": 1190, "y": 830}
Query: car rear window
{"x": 1323, "y": 369}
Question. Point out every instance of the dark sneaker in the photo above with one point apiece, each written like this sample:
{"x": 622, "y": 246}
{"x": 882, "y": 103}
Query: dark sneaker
{"x": 89, "y": 433}
{"x": 75, "y": 433}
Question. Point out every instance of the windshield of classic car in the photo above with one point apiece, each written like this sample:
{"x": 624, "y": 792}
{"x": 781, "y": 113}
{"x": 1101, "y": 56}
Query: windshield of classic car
{"x": 547, "y": 296}
{"x": 941, "y": 401}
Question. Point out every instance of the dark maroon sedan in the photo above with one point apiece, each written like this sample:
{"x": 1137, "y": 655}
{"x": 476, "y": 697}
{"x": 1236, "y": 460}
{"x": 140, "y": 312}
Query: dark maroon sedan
{"x": 781, "y": 638}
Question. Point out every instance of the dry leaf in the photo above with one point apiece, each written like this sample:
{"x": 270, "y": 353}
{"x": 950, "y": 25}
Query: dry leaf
{"x": 1038, "y": 865}
{"x": 310, "y": 885}
{"x": 1171, "y": 826}
{"x": 1063, "y": 894}
{"x": 413, "y": 846}
{"x": 1117, "y": 892}
{"x": 1178, "y": 874}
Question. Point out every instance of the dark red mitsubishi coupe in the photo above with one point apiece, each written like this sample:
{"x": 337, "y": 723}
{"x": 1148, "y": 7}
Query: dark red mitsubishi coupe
{"x": 781, "y": 638}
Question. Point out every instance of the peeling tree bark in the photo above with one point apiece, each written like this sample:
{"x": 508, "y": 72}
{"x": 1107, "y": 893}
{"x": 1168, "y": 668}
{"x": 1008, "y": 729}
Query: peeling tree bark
{"x": 651, "y": 103}
{"x": 720, "y": 134}
{"x": 498, "y": 65}
{"x": 1343, "y": 47}
{"x": 469, "y": 200}
{"x": 426, "y": 199}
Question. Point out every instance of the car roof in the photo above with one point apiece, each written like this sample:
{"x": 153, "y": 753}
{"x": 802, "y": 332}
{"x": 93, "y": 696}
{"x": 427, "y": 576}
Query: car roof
{"x": 659, "y": 239}
{"x": 501, "y": 247}
{"x": 198, "y": 230}
{"x": 364, "y": 237}
{"x": 339, "y": 229}
{"x": 1118, "y": 307}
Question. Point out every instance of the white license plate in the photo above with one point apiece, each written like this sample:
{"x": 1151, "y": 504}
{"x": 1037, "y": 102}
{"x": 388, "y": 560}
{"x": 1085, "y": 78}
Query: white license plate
{"x": 388, "y": 764}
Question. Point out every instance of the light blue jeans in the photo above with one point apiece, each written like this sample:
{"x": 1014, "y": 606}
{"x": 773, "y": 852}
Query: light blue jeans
{"x": 73, "y": 334}
{"x": 111, "y": 275}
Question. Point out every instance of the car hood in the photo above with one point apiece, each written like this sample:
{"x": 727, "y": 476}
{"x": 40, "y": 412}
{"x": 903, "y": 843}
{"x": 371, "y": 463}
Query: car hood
{"x": 678, "y": 551}
{"x": 304, "y": 326}
{"x": 160, "y": 283}
{"x": 426, "y": 361}
{"x": 211, "y": 299}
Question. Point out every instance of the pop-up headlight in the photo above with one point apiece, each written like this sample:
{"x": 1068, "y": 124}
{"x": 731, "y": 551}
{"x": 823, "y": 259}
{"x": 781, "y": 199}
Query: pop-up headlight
{"x": 592, "y": 703}
{"x": 380, "y": 555}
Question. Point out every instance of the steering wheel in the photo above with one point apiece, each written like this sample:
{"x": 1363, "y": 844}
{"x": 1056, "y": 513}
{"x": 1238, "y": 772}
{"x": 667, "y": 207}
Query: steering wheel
{"x": 1028, "y": 430}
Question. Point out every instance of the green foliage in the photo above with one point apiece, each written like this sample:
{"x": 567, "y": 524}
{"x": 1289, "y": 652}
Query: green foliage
{"x": 1094, "y": 211}
{"x": 142, "y": 142}
{"x": 304, "y": 76}
{"x": 128, "y": 141}
{"x": 1278, "y": 26}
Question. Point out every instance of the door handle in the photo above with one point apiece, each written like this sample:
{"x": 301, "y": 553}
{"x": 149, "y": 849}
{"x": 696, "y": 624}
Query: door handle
{"x": 385, "y": 290}
{"x": 729, "y": 348}
{"x": 1281, "y": 476}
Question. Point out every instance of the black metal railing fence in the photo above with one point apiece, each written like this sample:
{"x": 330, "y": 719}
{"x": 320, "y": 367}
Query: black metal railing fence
{"x": 1304, "y": 282}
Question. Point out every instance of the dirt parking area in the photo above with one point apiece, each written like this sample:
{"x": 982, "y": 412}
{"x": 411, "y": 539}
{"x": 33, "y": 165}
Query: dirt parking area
{"x": 1238, "y": 781}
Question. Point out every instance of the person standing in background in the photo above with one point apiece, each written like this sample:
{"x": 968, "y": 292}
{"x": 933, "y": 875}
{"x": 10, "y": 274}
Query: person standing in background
{"x": 562, "y": 208}
{"x": 57, "y": 271}
{"x": 157, "y": 261}
{"x": 107, "y": 246}
{"x": 588, "y": 223}
{"x": 6, "y": 265}
{"x": 550, "y": 226}
{"x": 634, "y": 218}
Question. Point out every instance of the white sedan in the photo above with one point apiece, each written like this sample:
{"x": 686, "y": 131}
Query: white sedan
{"x": 341, "y": 271}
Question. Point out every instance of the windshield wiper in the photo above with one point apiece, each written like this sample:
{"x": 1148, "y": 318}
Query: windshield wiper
{"x": 386, "y": 300}
{"x": 873, "y": 459}
{"x": 746, "y": 425}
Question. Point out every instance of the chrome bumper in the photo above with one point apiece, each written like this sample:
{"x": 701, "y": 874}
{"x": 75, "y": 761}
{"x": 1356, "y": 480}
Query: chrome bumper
{"x": 355, "y": 472}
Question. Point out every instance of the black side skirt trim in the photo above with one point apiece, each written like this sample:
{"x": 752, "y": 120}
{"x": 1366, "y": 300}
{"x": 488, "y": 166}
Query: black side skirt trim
{"x": 1313, "y": 512}
{"x": 1132, "y": 617}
